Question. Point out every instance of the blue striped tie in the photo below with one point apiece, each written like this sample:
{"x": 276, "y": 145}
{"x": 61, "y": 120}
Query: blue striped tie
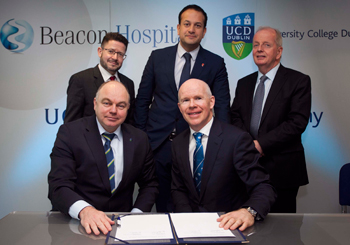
{"x": 198, "y": 160}
{"x": 110, "y": 159}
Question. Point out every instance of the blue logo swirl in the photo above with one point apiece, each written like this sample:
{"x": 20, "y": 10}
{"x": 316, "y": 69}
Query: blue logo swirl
{"x": 14, "y": 37}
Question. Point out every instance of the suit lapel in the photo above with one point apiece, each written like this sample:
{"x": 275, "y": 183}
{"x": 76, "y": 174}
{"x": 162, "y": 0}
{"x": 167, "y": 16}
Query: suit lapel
{"x": 185, "y": 161}
{"x": 93, "y": 139}
{"x": 98, "y": 77}
{"x": 128, "y": 149}
{"x": 213, "y": 146}
{"x": 277, "y": 84}
{"x": 249, "y": 98}
{"x": 200, "y": 63}
{"x": 169, "y": 66}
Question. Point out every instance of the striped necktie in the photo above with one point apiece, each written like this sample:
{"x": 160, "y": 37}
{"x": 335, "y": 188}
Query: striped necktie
{"x": 198, "y": 160}
{"x": 110, "y": 159}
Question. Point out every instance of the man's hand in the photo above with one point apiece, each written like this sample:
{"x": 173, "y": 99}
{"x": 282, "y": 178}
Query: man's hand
{"x": 258, "y": 147}
{"x": 92, "y": 219}
{"x": 239, "y": 218}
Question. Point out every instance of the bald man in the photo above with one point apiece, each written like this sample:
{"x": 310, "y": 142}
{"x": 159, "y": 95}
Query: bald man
{"x": 82, "y": 184}
{"x": 215, "y": 164}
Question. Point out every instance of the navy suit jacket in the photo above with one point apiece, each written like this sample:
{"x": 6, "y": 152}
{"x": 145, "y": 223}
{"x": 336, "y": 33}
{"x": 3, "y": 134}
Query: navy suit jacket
{"x": 156, "y": 110}
{"x": 231, "y": 177}
{"x": 284, "y": 118}
{"x": 82, "y": 90}
{"x": 79, "y": 169}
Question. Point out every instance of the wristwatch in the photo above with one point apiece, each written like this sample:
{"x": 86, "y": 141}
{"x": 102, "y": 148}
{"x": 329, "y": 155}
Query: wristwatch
{"x": 252, "y": 212}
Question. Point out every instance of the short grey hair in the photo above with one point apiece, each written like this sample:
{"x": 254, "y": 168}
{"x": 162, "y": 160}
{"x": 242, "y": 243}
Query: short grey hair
{"x": 278, "y": 39}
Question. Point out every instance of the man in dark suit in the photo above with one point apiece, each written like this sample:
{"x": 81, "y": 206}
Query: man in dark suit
{"x": 227, "y": 175}
{"x": 282, "y": 118}
{"x": 80, "y": 182}
{"x": 83, "y": 85}
{"x": 156, "y": 110}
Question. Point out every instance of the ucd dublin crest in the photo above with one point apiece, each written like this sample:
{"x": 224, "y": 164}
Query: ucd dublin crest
{"x": 237, "y": 35}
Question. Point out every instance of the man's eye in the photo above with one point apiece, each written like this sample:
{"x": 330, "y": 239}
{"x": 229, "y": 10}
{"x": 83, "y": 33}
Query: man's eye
{"x": 121, "y": 107}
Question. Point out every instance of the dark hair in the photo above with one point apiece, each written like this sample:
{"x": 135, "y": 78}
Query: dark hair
{"x": 116, "y": 36}
{"x": 197, "y": 8}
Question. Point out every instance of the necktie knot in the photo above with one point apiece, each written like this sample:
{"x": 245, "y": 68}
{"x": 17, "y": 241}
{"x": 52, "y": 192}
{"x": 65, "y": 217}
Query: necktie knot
{"x": 108, "y": 137}
{"x": 198, "y": 137}
{"x": 187, "y": 56}
{"x": 263, "y": 79}
{"x": 112, "y": 78}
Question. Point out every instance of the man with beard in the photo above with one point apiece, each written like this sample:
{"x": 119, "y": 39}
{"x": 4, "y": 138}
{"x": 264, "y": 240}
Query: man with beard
{"x": 83, "y": 85}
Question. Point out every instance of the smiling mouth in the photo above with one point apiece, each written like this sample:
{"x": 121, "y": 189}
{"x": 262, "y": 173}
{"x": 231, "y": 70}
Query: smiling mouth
{"x": 194, "y": 113}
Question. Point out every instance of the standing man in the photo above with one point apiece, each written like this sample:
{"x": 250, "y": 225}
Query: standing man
{"x": 215, "y": 165}
{"x": 156, "y": 109}
{"x": 97, "y": 160}
{"x": 274, "y": 105}
{"x": 83, "y": 85}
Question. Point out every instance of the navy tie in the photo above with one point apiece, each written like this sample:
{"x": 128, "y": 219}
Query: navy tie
{"x": 257, "y": 106}
{"x": 198, "y": 160}
{"x": 110, "y": 159}
{"x": 186, "y": 71}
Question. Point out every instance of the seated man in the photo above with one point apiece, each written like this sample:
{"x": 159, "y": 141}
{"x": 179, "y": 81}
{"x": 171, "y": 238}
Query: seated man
{"x": 80, "y": 182}
{"x": 215, "y": 165}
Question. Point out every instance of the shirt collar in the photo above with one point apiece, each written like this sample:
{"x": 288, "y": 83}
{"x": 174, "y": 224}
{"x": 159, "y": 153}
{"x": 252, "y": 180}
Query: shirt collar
{"x": 117, "y": 132}
{"x": 206, "y": 129}
{"x": 271, "y": 74}
{"x": 181, "y": 51}
{"x": 106, "y": 75}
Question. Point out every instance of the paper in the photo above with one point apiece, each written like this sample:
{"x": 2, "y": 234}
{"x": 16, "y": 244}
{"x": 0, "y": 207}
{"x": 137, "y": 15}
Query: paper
{"x": 198, "y": 225}
{"x": 141, "y": 227}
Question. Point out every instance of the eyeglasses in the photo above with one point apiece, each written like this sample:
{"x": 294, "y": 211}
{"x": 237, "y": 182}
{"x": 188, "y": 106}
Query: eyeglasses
{"x": 111, "y": 52}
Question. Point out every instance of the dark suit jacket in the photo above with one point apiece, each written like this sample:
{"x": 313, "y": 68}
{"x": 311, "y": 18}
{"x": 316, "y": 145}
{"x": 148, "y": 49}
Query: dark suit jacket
{"x": 81, "y": 92}
{"x": 156, "y": 110}
{"x": 284, "y": 118}
{"x": 231, "y": 177}
{"x": 79, "y": 169}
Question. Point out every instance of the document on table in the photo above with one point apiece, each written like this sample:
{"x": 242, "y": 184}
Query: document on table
{"x": 142, "y": 227}
{"x": 198, "y": 225}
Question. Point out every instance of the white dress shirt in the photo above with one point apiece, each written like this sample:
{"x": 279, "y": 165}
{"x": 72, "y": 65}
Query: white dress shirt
{"x": 180, "y": 62}
{"x": 205, "y": 131}
{"x": 106, "y": 75}
{"x": 268, "y": 83}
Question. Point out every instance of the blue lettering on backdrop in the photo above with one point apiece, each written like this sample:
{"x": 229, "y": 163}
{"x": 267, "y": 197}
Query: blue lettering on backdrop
{"x": 156, "y": 36}
{"x": 317, "y": 118}
{"x": 55, "y": 117}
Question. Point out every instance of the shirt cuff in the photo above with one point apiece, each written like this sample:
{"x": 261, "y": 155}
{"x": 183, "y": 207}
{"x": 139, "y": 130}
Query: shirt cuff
{"x": 136, "y": 210}
{"x": 76, "y": 207}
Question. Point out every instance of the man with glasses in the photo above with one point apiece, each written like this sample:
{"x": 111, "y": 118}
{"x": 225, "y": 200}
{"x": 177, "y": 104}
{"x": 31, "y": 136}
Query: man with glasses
{"x": 83, "y": 85}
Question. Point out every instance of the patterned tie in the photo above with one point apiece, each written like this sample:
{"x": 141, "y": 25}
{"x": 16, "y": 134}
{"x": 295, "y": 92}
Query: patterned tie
{"x": 257, "y": 106}
{"x": 198, "y": 160}
{"x": 185, "y": 75}
{"x": 110, "y": 159}
{"x": 112, "y": 78}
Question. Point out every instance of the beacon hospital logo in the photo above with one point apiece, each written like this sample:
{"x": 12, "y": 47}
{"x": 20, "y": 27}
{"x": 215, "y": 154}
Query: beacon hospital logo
{"x": 237, "y": 35}
{"x": 16, "y": 35}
